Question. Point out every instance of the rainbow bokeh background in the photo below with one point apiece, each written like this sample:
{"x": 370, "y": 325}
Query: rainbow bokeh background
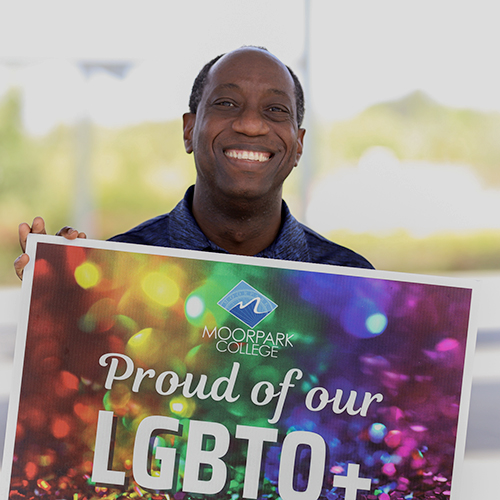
{"x": 402, "y": 339}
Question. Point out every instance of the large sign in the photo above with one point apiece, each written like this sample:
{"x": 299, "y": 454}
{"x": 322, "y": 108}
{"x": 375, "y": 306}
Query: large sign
{"x": 155, "y": 373}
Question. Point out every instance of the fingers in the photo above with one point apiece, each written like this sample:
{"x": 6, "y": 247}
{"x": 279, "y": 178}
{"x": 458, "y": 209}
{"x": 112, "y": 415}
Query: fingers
{"x": 20, "y": 263}
{"x": 37, "y": 227}
{"x": 24, "y": 230}
{"x": 70, "y": 233}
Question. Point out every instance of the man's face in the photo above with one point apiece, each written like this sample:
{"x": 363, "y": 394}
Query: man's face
{"x": 244, "y": 135}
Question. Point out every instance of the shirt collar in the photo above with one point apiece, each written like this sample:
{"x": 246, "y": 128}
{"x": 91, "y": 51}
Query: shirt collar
{"x": 183, "y": 228}
{"x": 290, "y": 244}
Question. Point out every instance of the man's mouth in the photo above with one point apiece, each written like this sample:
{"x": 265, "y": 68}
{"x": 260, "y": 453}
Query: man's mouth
{"x": 240, "y": 154}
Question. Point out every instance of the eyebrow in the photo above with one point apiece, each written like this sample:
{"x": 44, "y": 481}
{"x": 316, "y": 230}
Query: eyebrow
{"x": 227, "y": 86}
{"x": 234, "y": 86}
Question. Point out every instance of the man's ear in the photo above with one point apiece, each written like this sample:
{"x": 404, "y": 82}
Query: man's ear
{"x": 188, "y": 120}
{"x": 300, "y": 144}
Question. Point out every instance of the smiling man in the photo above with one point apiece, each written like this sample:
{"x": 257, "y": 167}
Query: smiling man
{"x": 244, "y": 130}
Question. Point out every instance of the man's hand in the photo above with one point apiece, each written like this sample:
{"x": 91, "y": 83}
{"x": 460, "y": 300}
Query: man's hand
{"x": 38, "y": 227}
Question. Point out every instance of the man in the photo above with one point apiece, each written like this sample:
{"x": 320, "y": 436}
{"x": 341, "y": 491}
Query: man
{"x": 244, "y": 130}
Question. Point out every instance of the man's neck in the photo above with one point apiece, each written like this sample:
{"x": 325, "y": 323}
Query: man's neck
{"x": 242, "y": 228}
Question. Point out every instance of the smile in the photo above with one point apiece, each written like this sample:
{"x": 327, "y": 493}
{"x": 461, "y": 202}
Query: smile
{"x": 248, "y": 155}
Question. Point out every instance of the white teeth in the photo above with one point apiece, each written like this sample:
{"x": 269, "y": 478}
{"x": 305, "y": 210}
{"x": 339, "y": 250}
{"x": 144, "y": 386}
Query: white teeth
{"x": 248, "y": 155}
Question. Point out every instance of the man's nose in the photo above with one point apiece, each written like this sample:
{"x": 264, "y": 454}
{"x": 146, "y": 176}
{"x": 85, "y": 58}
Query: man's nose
{"x": 250, "y": 122}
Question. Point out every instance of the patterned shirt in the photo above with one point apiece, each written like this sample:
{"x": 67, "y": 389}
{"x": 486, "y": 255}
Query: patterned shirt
{"x": 295, "y": 241}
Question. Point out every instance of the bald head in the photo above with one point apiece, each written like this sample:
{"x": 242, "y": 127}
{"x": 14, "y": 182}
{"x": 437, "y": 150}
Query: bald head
{"x": 252, "y": 54}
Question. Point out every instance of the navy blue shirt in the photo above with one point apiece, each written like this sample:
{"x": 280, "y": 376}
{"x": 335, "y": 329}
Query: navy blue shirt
{"x": 178, "y": 229}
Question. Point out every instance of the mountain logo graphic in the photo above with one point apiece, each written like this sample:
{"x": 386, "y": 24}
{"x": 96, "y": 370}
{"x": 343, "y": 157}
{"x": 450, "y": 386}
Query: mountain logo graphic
{"x": 247, "y": 304}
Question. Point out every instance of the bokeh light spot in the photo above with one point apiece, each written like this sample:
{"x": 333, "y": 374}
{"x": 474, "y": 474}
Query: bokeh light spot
{"x": 87, "y": 275}
{"x": 31, "y": 470}
{"x": 86, "y": 412}
{"x": 389, "y": 469}
{"x": 45, "y": 460}
{"x": 337, "y": 469}
{"x": 160, "y": 288}
{"x": 141, "y": 339}
{"x": 117, "y": 399}
{"x": 177, "y": 407}
{"x": 182, "y": 407}
{"x": 376, "y": 323}
{"x": 60, "y": 428}
{"x": 126, "y": 322}
{"x": 447, "y": 344}
{"x": 87, "y": 323}
{"x": 377, "y": 432}
{"x": 145, "y": 345}
{"x": 363, "y": 318}
{"x": 191, "y": 355}
{"x": 69, "y": 380}
{"x": 42, "y": 267}
{"x": 194, "y": 306}
{"x": 393, "y": 438}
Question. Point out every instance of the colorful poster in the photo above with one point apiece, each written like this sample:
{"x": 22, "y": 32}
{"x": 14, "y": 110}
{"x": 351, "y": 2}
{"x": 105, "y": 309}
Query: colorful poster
{"x": 164, "y": 374}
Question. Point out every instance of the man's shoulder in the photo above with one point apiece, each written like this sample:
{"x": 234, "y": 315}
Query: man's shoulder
{"x": 154, "y": 232}
{"x": 324, "y": 251}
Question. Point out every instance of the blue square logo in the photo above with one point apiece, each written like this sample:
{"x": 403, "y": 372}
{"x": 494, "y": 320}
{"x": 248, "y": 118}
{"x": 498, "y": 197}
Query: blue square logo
{"x": 247, "y": 304}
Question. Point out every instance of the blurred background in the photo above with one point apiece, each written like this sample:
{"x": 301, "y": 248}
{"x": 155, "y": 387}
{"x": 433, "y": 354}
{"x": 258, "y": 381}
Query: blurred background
{"x": 402, "y": 147}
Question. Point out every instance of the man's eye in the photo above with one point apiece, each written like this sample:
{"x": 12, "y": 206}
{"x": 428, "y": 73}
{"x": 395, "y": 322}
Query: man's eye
{"x": 224, "y": 103}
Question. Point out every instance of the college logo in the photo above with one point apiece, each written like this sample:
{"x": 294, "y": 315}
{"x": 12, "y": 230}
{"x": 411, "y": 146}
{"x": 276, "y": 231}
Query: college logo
{"x": 247, "y": 304}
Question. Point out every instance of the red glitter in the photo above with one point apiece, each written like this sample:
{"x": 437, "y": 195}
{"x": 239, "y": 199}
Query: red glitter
{"x": 41, "y": 483}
